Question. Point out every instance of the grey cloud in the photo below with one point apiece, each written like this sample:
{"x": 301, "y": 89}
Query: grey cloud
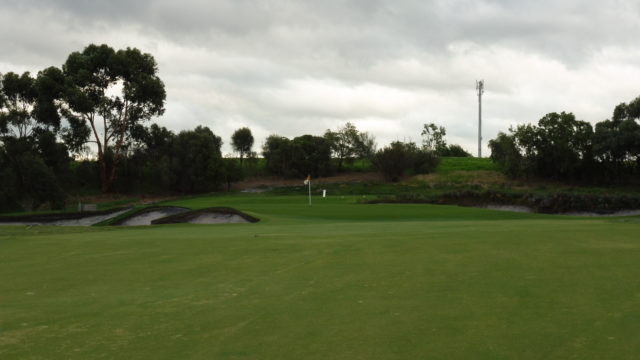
{"x": 302, "y": 66}
{"x": 351, "y": 28}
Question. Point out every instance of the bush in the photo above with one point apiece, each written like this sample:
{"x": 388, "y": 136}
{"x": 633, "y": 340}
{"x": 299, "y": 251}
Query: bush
{"x": 302, "y": 156}
{"x": 401, "y": 159}
{"x": 277, "y": 155}
{"x": 454, "y": 150}
{"x": 26, "y": 181}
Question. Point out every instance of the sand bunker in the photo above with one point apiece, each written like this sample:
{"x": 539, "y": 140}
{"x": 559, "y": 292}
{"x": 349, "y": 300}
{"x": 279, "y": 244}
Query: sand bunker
{"x": 146, "y": 216}
{"x": 218, "y": 219}
{"x": 72, "y": 219}
{"x": 217, "y": 215}
{"x": 513, "y": 208}
{"x": 526, "y": 209}
{"x": 256, "y": 190}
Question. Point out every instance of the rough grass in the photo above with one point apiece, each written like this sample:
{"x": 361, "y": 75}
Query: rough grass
{"x": 336, "y": 280}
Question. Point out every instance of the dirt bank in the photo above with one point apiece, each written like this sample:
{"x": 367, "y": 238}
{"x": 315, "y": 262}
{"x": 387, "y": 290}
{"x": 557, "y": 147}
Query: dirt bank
{"x": 254, "y": 184}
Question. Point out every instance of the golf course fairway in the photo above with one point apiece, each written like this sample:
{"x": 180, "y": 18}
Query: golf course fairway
{"x": 336, "y": 280}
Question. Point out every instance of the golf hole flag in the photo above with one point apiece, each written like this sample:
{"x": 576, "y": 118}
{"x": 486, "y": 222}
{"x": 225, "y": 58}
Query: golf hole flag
{"x": 307, "y": 181}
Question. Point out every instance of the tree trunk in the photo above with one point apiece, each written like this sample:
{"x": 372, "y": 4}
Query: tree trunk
{"x": 111, "y": 178}
{"x": 105, "y": 180}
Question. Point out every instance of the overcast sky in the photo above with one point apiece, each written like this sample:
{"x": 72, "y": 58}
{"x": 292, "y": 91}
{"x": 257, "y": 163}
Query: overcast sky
{"x": 296, "y": 67}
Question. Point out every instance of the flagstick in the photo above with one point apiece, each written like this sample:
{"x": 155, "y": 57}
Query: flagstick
{"x": 309, "y": 192}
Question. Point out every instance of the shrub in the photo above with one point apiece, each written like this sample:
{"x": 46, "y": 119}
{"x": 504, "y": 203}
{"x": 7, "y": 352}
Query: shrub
{"x": 400, "y": 159}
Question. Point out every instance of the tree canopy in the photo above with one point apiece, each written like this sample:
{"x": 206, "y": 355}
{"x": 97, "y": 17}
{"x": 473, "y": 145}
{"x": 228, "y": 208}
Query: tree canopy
{"x": 433, "y": 139}
{"x": 242, "y": 142}
{"x": 107, "y": 94}
{"x": 563, "y": 148}
{"x": 348, "y": 143}
{"x": 18, "y": 103}
{"x": 299, "y": 157}
{"x": 32, "y": 161}
{"x": 400, "y": 159}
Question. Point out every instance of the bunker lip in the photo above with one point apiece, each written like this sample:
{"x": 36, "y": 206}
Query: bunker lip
{"x": 45, "y": 218}
{"x": 163, "y": 211}
{"x": 190, "y": 216}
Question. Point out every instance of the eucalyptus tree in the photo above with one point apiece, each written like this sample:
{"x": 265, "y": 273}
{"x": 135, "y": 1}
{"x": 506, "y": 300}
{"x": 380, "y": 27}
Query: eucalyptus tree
{"x": 242, "y": 142}
{"x": 277, "y": 155}
{"x": 344, "y": 142}
{"x": 31, "y": 158}
{"x": 617, "y": 141}
{"x": 28, "y": 104}
{"x": 108, "y": 94}
{"x": 17, "y": 102}
{"x": 365, "y": 145}
{"x": 433, "y": 138}
{"x": 197, "y": 158}
{"x": 558, "y": 147}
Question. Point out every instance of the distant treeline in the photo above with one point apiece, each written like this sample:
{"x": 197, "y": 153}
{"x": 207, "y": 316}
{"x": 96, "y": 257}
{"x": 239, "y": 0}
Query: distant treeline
{"x": 36, "y": 169}
{"x": 96, "y": 107}
{"x": 562, "y": 148}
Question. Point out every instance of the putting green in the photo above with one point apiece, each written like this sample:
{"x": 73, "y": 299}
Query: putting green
{"x": 337, "y": 280}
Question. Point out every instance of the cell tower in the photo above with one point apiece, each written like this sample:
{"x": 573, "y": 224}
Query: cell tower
{"x": 480, "y": 89}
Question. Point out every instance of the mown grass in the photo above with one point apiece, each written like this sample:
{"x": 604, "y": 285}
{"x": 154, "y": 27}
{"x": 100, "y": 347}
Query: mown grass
{"x": 451, "y": 164}
{"x": 337, "y": 280}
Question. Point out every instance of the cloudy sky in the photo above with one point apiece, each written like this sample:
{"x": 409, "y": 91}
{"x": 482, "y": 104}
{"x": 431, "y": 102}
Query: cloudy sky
{"x": 294, "y": 67}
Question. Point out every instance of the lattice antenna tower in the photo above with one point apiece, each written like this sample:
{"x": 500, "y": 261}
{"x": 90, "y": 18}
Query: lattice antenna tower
{"x": 480, "y": 90}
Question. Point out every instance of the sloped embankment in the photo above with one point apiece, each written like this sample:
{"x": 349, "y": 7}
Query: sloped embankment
{"x": 147, "y": 215}
{"x": 550, "y": 203}
{"x": 546, "y": 203}
{"x": 214, "y": 215}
